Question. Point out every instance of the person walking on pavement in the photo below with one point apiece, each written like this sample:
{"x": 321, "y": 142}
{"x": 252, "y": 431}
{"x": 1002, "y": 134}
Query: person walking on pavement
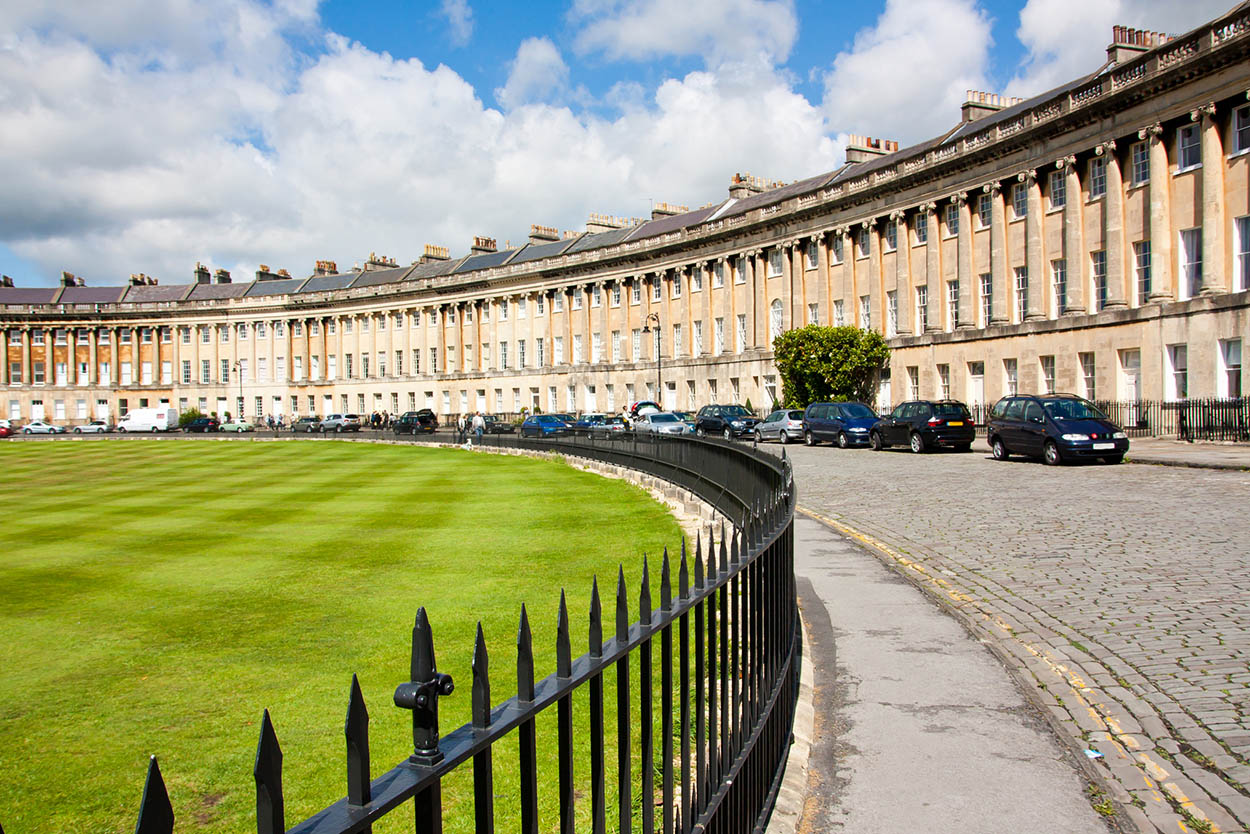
{"x": 460, "y": 429}
{"x": 479, "y": 426}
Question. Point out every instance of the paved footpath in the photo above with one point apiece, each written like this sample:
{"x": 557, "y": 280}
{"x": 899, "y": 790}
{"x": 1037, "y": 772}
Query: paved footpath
{"x": 1119, "y": 594}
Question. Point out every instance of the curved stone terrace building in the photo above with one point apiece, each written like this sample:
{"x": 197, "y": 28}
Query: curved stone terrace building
{"x": 1093, "y": 239}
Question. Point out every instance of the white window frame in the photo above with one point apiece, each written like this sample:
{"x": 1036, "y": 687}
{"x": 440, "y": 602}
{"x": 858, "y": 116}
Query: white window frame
{"x": 1097, "y": 177}
{"x": 1057, "y": 189}
{"x": 1139, "y": 156}
{"x": 1230, "y": 378}
{"x": 1190, "y": 259}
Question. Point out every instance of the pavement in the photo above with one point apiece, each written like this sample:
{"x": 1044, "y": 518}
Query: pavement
{"x": 976, "y": 626}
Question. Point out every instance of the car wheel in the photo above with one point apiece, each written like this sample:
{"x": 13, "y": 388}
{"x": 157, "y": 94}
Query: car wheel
{"x": 808, "y": 439}
{"x": 999, "y": 450}
{"x": 728, "y": 434}
{"x": 338, "y": 429}
{"x": 917, "y": 442}
{"x": 843, "y": 440}
{"x": 759, "y": 438}
{"x": 1050, "y": 454}
{"x": 77, "y": 431}
{"x": 784, "y": 437}
{"x": 26, "y": 431}
{"x": 874, "y": 440}
{"x": 120, "y": 430}
{"x": 700, "y": 431}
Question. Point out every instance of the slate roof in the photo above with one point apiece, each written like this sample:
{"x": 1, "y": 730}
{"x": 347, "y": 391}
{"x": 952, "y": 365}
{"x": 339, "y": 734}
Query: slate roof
{"x": 485, "y": 260}
{"x": 279, "y": 287}
{"x": 538, "y": 251}
{"x": 203, "y": 292}
{"x": 321, "y": 283}
{"x": 145, "y": 293}
{"x": 91, "y": 295}
{"x": 600, "y": 239}
{"x": 672, "y": 223}
{"x": 377, "y": 277}
{"x": 28, "y": 295}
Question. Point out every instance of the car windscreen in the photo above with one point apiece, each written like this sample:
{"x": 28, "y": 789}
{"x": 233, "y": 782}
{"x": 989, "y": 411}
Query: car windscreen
{"x": 663, "y": 418}
{"x": 735, "y": 411}
{"x": 1068, "y": 409}
{"x": 949, "y": 410}
{"x": 614, "y": 421}
{"x": 796, "y": 415}
{"x": 854, "y": 410}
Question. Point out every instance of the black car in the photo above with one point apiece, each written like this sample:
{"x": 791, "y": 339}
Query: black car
{"x": 415, "y": 422}
{"x": 847, "y": 424}
{"x": 727, "y": 421}
{"x": 1054, "y": 427}
{"x": 925, "y": 424}
{"x": 496, "y": 425}
{"x": 202, "y": 424}
{"x": 308, "y": 425}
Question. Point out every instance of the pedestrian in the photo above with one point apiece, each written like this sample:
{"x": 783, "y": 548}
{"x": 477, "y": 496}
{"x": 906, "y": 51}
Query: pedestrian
{"x": 460, "y": 429}
{"x": 479, "y": 426}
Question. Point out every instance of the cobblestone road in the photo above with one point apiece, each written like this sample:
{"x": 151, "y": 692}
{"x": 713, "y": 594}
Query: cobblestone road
{"x": 1122, "y": 590}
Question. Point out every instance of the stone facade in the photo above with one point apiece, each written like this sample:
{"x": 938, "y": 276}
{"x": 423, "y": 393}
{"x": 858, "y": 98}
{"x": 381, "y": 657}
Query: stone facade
{"x": 1093, "y": 240}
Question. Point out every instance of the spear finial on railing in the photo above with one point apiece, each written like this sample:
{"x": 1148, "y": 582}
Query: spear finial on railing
{"x": 724, "y": 553}
{"x": 622, "y": 607}
{"x": 698, "y": 563}
{"x": 156, "y": 814}
{"x": 666, "y": 583}
{"x": 270, "y": 813}
{"x": 711, "y": 557}
{"x": 596, "y": 621}
{"x": 564, "y": 650}
{"x": 421, "y": 694}
{"x": 356, "y": 729}
{"x": 524, "y": 659}
{"x": 481, "y": 681}
{"x": 683, "y": 571}
{"x": 644, "y": 596}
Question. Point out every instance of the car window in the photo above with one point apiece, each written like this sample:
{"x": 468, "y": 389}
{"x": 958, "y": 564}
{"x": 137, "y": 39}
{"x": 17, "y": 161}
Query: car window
{"x": 1066, "y": 408}
{"x": 949, "y": 410}
{"x": 735, "y": 411}
{"x": 901, "y": 412}
{"x": 1033, "y": 412}
{"x": 796, "y": 415}
{"x": 1014, "y": 410}
{"x": 1000, "y": 409}
{"x": 774, "y": 417}
{"x": 857, "y": 410}
{"x": 664, "y": 418}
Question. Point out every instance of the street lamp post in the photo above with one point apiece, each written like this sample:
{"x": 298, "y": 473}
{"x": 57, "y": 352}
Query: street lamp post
{"x": 659, "y": 344}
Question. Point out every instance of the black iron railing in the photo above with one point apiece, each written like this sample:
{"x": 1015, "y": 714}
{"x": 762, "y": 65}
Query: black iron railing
{"x": 729, "y": 641}
{"x": 1209, "y": 419}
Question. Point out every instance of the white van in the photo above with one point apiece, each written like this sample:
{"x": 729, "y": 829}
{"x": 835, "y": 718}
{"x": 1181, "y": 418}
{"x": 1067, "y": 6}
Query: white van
{"x": 148, "y": 419}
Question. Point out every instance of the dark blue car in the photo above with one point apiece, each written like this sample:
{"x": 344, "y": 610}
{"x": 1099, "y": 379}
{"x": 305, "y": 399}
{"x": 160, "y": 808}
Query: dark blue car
{"x": 543, "y": 425}
{"x": 846, "y": 424}
{"x": 1057, "y": 428}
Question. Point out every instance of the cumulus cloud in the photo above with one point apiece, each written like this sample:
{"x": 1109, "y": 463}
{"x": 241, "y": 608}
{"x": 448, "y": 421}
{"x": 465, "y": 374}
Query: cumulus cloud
{"x": 130, "y": 158}
{"x": 1066, "y": 39}
{"x": 459, "y": 17}
{"x": 719, "y": 31}
{"x": 538, "y": 73}
{"x": 905, "y": 77}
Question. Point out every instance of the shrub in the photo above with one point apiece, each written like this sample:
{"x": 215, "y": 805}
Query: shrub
{"x": 188, "y": 416}
{"x": 829, "y": 363}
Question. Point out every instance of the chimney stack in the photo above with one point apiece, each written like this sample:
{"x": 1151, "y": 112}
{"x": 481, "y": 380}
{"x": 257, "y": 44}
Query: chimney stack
{"x": 221, "y": 276}
{"x": 1127, "y": 43}
{"x": 326, "y": 268}
{"x": 69, "y": 279}
{"x": 863, "y": 148}
{"x": 659, "y": 210}
{"x": 379, "y": 262}
{"x": 136, "y": 280}
{"x": 264, "y": 273}
{"x": 979, "y": 104}
{"x": 543, "y": 234}
{"x": 434, "y": 253}
{"x": 6, "y": 281}
{"x": 201, "y": 273}
{"x": 742, "y": 186}
{"x": 484, "y": 245}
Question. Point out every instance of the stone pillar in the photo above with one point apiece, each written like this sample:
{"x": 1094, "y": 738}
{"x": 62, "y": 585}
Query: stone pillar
{"x": 965, "y": 270}
{"x": 4, "y": 362}
{"x": 1000, "y": 279}
{"x": 902, "y": 274}
{"x": 71, "y": 356}
{"x": 1073, "y": 237}
{"x": 933, "y": 266}
{"x": 875, "y": 283}
{"x": 26, "y": 358}
{"x": 1161, "y": 281}
{"x": 1214, "y": 279}
{"x": 1034, "y": 248}
{"x": 750, "y": 266}
{"x": 1113, "y": 233}
{"x": 787, "y": 288}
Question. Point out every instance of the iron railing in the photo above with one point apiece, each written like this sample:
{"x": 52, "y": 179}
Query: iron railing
{"x": 1207, "y": 419}
{"x": 728, "y": 610}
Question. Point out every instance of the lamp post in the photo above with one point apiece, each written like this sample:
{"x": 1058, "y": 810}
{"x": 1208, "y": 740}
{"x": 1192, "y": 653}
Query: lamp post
{"x": 659, "y": 344}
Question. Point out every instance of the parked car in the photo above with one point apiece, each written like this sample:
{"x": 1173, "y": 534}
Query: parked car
{"x": 925, "y": 424}
{"x": 238, "y": 425}
{"x": 544, "y": 425}
{"x": 340, "y": 423}
{"x": 94, "y": 427}
{"x": 642, "y": 406}
{"x": 415, "y": 422}
{"x": 6, "y": 431}
{"x": 1054, "y": 427}
{"x": 728, "y": 421}
{"x": 784, "y": 424}
{"x": 660, "y": 422}
{"x": 687, "y": 417}
{"x": 40, "y": 427}
{"x": 307, "y": 425}
{"x": 497, "y": 425}
{"x": 612, "y": 424}
{"x": 587, "y": 422}
{"x": 847, "y": 424}
{"x": 202, "y": 424}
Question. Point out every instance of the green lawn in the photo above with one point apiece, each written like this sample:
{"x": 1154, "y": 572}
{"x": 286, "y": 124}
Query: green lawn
{"x": 157, "y": 595}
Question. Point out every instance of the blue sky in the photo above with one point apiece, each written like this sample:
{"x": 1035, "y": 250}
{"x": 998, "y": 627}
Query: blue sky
{"x": 147, "y": 135}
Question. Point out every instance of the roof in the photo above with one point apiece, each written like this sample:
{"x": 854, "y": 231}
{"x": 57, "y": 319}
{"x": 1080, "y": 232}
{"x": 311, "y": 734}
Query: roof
{"x": 92, "y": 295}
{"x": 140, "y": 294}
{"x": 28, "y": 295}
{"x": 672, "y": 223}
{"x": 538, "y": 251}
{"x": 284, "y": 286}
{"x": 320, "y": 283}
{"x": 485, "y": 260}
{"x": 203, "y": 292}
{"x": 777, "y": 195}
{"x": 599, "y": 240}
{"x": 433, "y": 269}
{"x": 376, "y": 277}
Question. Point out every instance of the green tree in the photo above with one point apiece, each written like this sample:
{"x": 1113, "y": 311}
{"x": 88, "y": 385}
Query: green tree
{"x": 187, "y": 416}
{"x": 829, "y": 363}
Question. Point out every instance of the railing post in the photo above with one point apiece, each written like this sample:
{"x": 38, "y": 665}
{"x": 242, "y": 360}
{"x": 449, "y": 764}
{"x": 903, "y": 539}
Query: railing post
{"x": 421, "y": 696}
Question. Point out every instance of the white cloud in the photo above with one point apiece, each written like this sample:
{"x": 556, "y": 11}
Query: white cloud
{"x": 114, "y": 163}
{"x": 719, "y": 31}
{"x": 537, "y": 74}
{"x": 1066, "y": 39}
{"x": 905, "y": 77}
{"x": 459, "y": 16}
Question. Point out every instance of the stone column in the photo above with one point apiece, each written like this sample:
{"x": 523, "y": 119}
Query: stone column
{"x": 965, "y": 270}
{"x": 4, "y": 362}
{"x": 71, "y": 356}
{"x": 1161, "y": 282}
{"x": 26, "y": 358}
{"x": 902, "y": 274}
{"x": 1000, "y": 279}
{"x": 1073, "y": 237}
{"x": 1034, "y": 248}
{"x": 933, "y": 266}
{"x": 749, "y": 263}
{"x": 875, "y": 281}
{"x": 1213, "y": 278}
{"x": 1113, "y": 234}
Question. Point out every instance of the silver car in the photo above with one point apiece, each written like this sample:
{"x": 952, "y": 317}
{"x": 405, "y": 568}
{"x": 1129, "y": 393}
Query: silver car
{"x": 40, "y": 427}
{"x": 784, "y": 424}
{"x": 660, "y": 422}
{"x": 94, "y": 427}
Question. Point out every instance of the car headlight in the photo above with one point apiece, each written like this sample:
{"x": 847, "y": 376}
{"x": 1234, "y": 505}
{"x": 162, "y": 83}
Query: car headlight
{"x": 737, "y": 424}
{"x": 1076, "y": 437}
{"x": 1119, "y": 435}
